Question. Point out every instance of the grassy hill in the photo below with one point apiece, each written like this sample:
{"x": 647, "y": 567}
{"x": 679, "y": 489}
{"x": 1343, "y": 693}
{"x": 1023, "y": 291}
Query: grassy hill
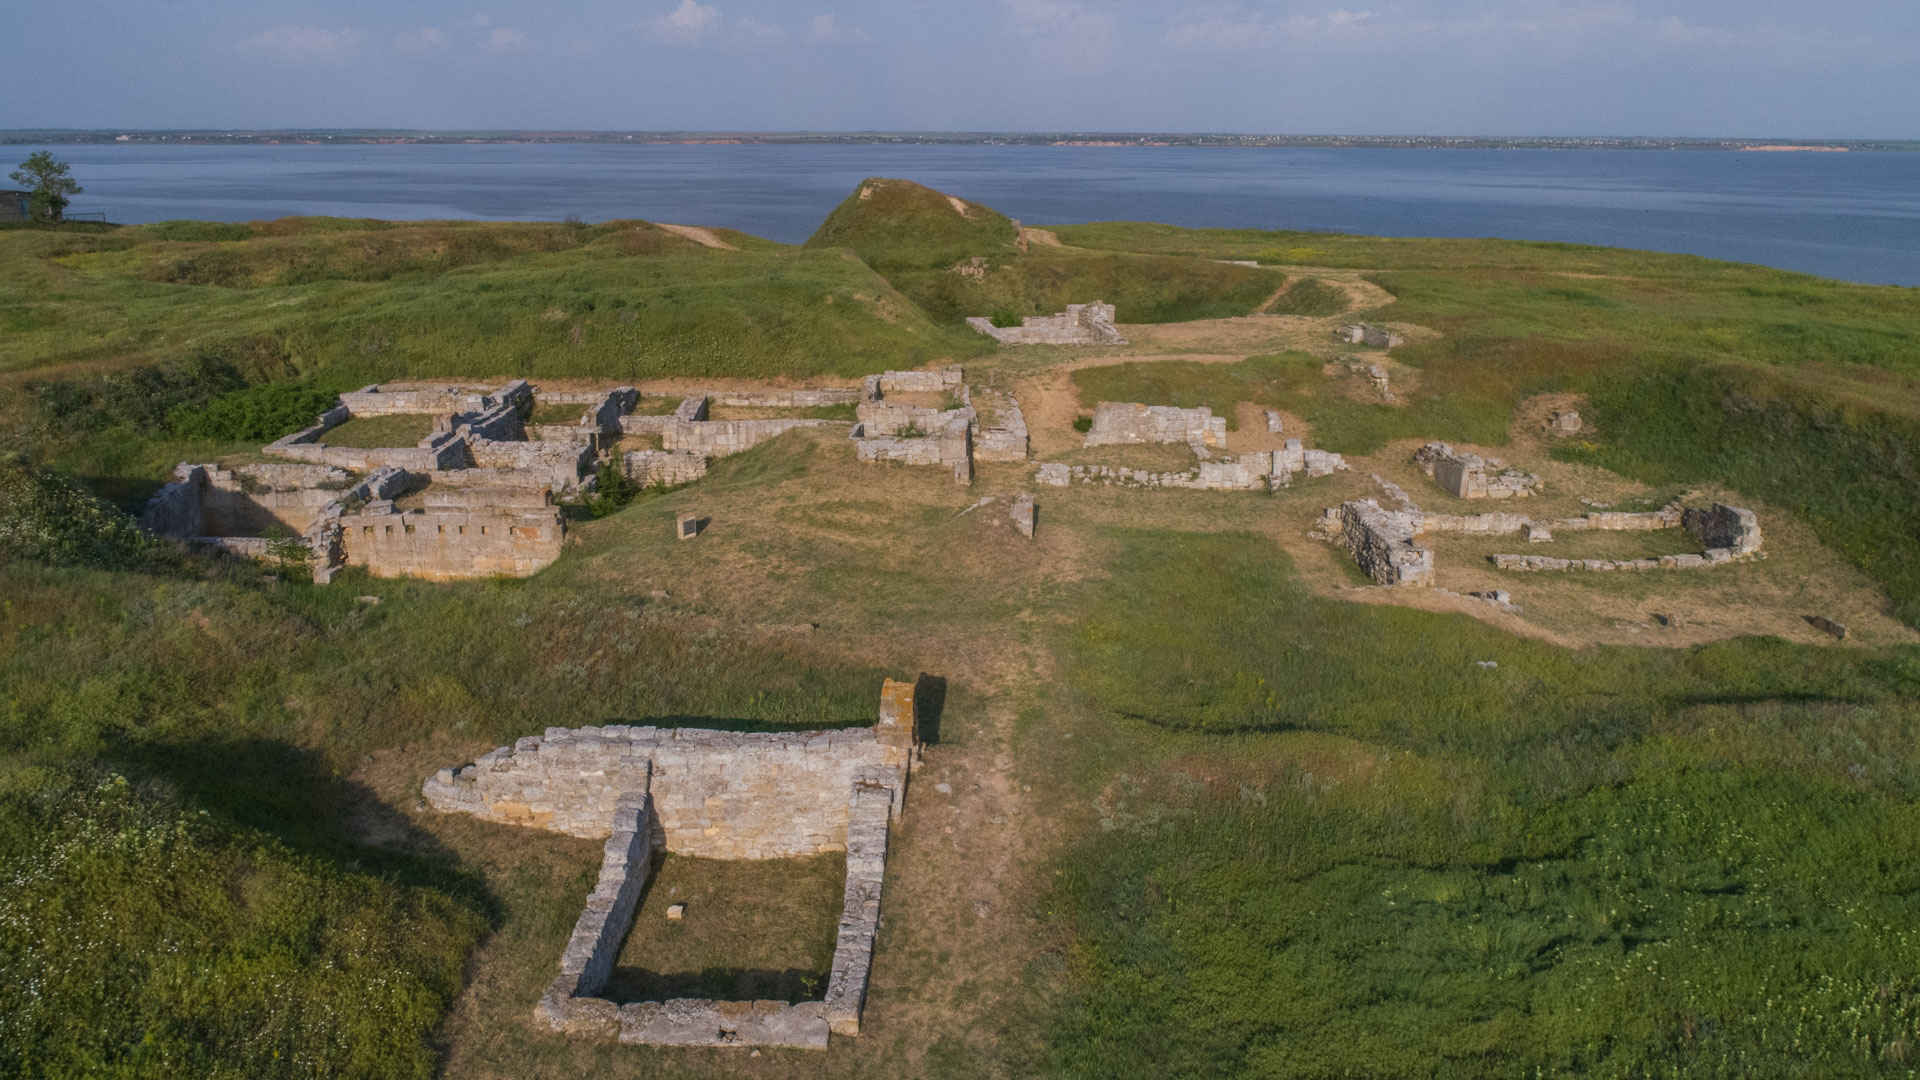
{"x": 1191, "y": 811}
{"x": 957, "y": 258}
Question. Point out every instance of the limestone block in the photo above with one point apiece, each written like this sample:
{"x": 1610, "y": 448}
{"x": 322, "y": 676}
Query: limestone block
{"x": 1023, "y": 514}
{"x": 1054, "y": 474}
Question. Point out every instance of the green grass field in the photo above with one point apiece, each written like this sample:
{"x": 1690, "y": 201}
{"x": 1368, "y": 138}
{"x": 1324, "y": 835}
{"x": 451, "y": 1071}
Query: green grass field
{"x": 1200, "y": 819}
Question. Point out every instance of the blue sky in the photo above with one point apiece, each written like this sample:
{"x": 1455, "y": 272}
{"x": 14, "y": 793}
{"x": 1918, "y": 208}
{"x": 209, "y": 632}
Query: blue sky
{"x": 1680, "y": 67}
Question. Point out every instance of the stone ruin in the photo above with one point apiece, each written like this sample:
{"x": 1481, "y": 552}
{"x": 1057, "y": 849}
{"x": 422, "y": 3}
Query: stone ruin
{"x": 1368, "y": 334}
{"x": 1565, "y": 422}
{"x": 710, "y": 794}
{"x": 476, "y": 496}
{"x": 1385, "y": 543}
{"x": 985, "y": 425}
{"x": 1470, "y": 476}
{"x": 1131, "y": 424}
{"x": 1080, "y": 324}
{"x": 1124, "y": 423}
{"x": 1262, "y": 470}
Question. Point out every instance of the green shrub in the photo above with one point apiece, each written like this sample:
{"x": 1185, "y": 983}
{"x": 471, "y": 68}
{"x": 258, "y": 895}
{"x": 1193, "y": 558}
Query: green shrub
{"x": 47, "y": 517}
{"x": 1005, "y": 317}
{"x": 144, "y": 938}
{"x": 1083, "y": 424}
{"x": 139, "y": 397}
{"x": 255, "y": 414}
{"x": 613, "y": 490}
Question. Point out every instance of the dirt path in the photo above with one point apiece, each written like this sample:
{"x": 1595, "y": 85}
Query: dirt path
{"x": 1267, "y": 304}
{"x": 699, "y": 235}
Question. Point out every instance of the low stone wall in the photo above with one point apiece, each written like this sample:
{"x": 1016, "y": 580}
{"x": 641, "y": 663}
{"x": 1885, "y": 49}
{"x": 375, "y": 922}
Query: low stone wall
{"x": 1080, "y": 324}
{"x": 713, "y": 794}
{"x": 788, "y": 399}
{"x": 1382, "y": 542}
{"x": 950, "y": 448}
{"x": 667, "y": 468}
{"x": 1001, "y": 428}
{"x": 867, "y": 815}
{"x": 606, "y": 413}
{"x": 1730, "y": 533}
{"x": 563, "y": 462}
{"x": 1470, "y": 476}
{"x": 716, "y": 794}
{"x": 936, "y": 381}
{"x": 1262, "y": 470}
{"x": 718, "y": 438}
{"x": 471, "y": 497}
{"x": 1368, "y": 334}
{"x": 447, "y": 545}
{"x": 691, "y": 409}
{"x": 375, "y": 401}
{"x": 444, "y": 451}
{"x": 626, "y": 861}
{"x": 1118, "y": 423}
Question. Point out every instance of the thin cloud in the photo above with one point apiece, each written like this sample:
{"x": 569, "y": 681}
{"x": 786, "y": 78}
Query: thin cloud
{"x": 423, "y": 39}
{"x": 754, "y": 30}
{"x": 1076, "y": 36}
{"x": 305, "y": 44}
{"x": 688, "y": 23}
{"x": 825, "y": 29}
{"x": 504, "y": 39}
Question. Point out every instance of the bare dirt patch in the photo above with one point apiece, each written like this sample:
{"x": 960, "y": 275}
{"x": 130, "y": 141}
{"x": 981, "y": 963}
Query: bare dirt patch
{"x": 699, "y": 235}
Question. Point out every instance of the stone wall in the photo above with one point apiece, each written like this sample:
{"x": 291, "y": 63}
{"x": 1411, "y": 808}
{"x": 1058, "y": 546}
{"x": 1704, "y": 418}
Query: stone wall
{"x": 1368, "y": 334}
{"x": 668, "y": 468}
{"x": 1118, "y": 423}
{"x": 375, "y": 401}
{"x": 867, "y": 814}
{"x": 1001, "y": 428}
{"x": 936, "y": 381}
{"x": 1723, "y": 527}
{"x": 1470, "y": 476}
{"x": 1382, "y": 542}
{"x": 471, "y": 497}
{"x": 716, "y": 794}
{"x": 718, "y": 438}
{"x": 788, "y": 399}
{"x": 877, "y": 418}
{"x": 446, "y": 545}
{"x": 948, "y": 445}
{"x": 606, "y": 413}
{"x": 712, "y": 794}
{"x": 1262, "y": 470}
{"x": 563, "y": 463}
{"x": 1080, "y": 324}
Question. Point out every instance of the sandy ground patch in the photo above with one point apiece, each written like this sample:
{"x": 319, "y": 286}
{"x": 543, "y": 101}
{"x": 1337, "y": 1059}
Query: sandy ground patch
{"x": 699, "y": 235}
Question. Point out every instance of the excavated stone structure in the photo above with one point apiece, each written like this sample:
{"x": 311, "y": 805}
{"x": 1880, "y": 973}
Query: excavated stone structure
{"x": 713, "y": 794}
{"x": 1380, "y": 540}
{"x": 1000, "y": 427}
{"x": 1470, "y": 476}
{"x": 1121, "y": 423}
{"x": 1263, "y": 470}
{"x": 1368, "y": 334}
{"x": 1080, "y": 324}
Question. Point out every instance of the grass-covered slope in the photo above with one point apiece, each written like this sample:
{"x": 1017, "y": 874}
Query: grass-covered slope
{"x": 373, "y": 300}
{"x": 957, "y": 258}
{"x": 1331, "y": 843}
{"x": 1800, "y": 390}
{"x": 900, "y": 225}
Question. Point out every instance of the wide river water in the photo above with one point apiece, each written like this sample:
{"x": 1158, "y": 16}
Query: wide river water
{"x": 1854, "y": 216}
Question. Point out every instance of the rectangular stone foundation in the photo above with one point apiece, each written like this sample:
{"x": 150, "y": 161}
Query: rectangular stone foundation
{"x": 738, "y": 793}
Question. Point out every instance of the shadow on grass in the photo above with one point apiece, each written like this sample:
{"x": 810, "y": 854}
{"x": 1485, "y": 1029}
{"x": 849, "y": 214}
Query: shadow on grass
{"x": 629, "y": 985}
{"x": 290, "y": 793}
{"x": 929, "y": 702}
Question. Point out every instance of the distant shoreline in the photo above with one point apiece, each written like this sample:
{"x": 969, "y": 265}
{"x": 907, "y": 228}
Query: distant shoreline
{"x": 1115, "y": 140}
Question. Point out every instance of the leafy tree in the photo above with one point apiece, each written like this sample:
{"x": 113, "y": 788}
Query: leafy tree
{"x": 50, "y": 183}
